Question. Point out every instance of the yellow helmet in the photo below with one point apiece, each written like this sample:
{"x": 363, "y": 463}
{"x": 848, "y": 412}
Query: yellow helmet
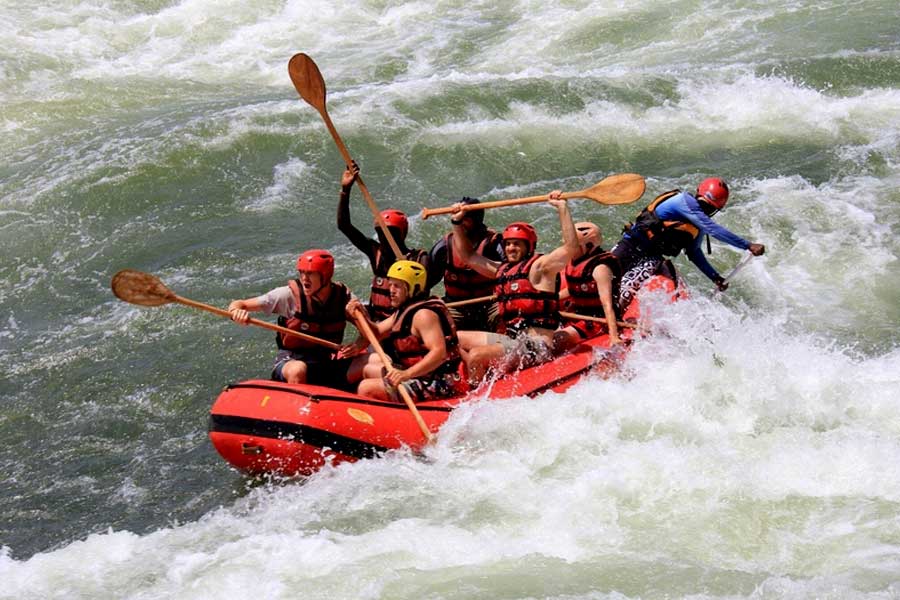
{"x": 411, "y": 272}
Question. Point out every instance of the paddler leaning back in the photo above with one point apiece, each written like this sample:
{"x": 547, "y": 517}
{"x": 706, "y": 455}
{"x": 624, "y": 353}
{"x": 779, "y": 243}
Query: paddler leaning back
{"x": 505, "y": 296}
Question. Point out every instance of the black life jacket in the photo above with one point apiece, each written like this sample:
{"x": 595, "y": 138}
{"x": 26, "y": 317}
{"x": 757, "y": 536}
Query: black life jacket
{"x": 380, "y": 296}
{"x": 462, "y": 282}
{"x": 406, "y": 348}
{"x": 584, "y": 297}
{"x": 327, "y": 322}
{"x": 667, "y": 238}
{"x": 522, "y": 305}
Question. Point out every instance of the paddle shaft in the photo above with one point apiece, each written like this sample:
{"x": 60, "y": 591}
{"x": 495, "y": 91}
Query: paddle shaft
{"x": 575, "y": 316}
{"x": 257, "y": 322}
{"x": 428, "y": 212}
{"x": 743, "y": 263}
{"x": 568, "y": 315}
{"x": 366, "y": 330}
{"x": 470, "y": 301}
{"x": 622, "y": 188}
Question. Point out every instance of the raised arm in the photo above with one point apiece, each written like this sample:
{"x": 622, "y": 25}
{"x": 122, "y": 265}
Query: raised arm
{"x": 356, "y": 237}
{"x": 549, "y": 265}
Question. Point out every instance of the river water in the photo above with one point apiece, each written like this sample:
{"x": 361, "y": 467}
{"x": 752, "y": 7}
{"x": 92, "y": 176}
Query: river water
{"x": 751, "y": 450}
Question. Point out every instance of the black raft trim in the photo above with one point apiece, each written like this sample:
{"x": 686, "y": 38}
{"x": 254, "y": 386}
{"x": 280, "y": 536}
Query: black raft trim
{"x": 303, "y": 434}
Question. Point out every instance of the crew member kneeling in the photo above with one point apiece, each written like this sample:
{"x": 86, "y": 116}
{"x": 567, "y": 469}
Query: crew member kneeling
{"x": 420, "y": 338}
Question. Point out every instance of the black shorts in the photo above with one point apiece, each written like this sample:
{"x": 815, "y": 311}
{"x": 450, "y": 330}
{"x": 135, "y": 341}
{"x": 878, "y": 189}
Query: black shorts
{"x": 328, "y": 372}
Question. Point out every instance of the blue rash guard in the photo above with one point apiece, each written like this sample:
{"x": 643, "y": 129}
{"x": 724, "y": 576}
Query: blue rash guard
{"x": 684, "y": 207}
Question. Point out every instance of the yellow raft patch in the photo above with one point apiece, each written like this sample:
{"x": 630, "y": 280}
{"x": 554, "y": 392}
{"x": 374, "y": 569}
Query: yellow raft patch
{"x": 361, "y": 416}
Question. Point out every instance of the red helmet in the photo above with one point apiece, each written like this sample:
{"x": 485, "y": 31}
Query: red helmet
{"x": 714, "y": 191}
{"x": 317, "y": 261}
{"x": 395, "y": 218}
{"x": 521, "y": 231}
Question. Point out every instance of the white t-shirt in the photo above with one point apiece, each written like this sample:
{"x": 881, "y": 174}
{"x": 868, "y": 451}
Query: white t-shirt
{"x": 280, "y": 301}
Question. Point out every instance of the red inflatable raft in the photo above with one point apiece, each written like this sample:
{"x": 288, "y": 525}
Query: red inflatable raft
{"x": 262, "y": 426}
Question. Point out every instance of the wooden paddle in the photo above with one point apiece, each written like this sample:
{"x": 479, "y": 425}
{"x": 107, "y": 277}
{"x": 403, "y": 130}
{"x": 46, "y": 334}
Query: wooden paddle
{"x": 615, "y": 189}
{"x": 143, "y": 289}
{"x": 568, "y": 315}
{"x": 310, "y": 85}
{"x": 478, "y": 300}
{"x": 576, "y": 316}
{"x": 363, "y": 325}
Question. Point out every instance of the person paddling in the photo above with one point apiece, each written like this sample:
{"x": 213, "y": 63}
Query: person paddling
{"x": 461, "y": 282}
{"x": 419, "y": 337}
{"x": 527, "y": 288}
{"x": 592, "y": 289}
{"x": 378, "y": 252}
{"x": 312, "y": 304}
{"x": 676, "y": 221}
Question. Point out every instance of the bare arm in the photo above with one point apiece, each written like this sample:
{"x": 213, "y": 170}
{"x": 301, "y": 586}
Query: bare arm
{"x": 544, "y": 271}
{"x": 603, "y": 276}
{"x": 463, "y": 248}
{"x": 276, "y": 301}
{"x": 427, "y": 326}
{"x": 240, "y": 309}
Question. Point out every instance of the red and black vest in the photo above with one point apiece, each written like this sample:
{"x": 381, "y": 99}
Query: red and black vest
{"x": 584, "y": 297}
{"x": 327, "y": 322}
{"x": 462, "y": 282}
{"x": 522, "y": 305}
{"x": 660, "y": 237}
{"x": 406, "y": 348}
{"x": 380, "y": 296}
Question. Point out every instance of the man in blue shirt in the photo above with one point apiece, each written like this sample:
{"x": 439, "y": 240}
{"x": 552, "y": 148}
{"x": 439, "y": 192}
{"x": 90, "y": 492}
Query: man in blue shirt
{"x": 676, "y": 221}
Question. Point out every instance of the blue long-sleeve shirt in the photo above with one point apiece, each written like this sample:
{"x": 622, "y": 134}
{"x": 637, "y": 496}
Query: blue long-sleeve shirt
{"x": 684, "y": 207}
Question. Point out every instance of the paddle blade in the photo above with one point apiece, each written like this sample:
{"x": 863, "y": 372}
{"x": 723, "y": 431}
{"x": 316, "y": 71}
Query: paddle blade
{"x": 136, "y": 287}
{"x": 308, "y": 80}
{"x": 623, "y": 188}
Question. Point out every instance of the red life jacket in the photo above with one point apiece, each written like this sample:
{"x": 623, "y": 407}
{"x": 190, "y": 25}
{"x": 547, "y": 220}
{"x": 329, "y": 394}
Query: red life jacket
{"x": 327, "y": 322}
{"x": 407, "y": 349}
{"x": 462, "y": 282}
{"x": 584, "y": 298}
{"x": 380, "y": 296}
{"x": 522, "y": 305}
{"x": 666, "y": 238}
